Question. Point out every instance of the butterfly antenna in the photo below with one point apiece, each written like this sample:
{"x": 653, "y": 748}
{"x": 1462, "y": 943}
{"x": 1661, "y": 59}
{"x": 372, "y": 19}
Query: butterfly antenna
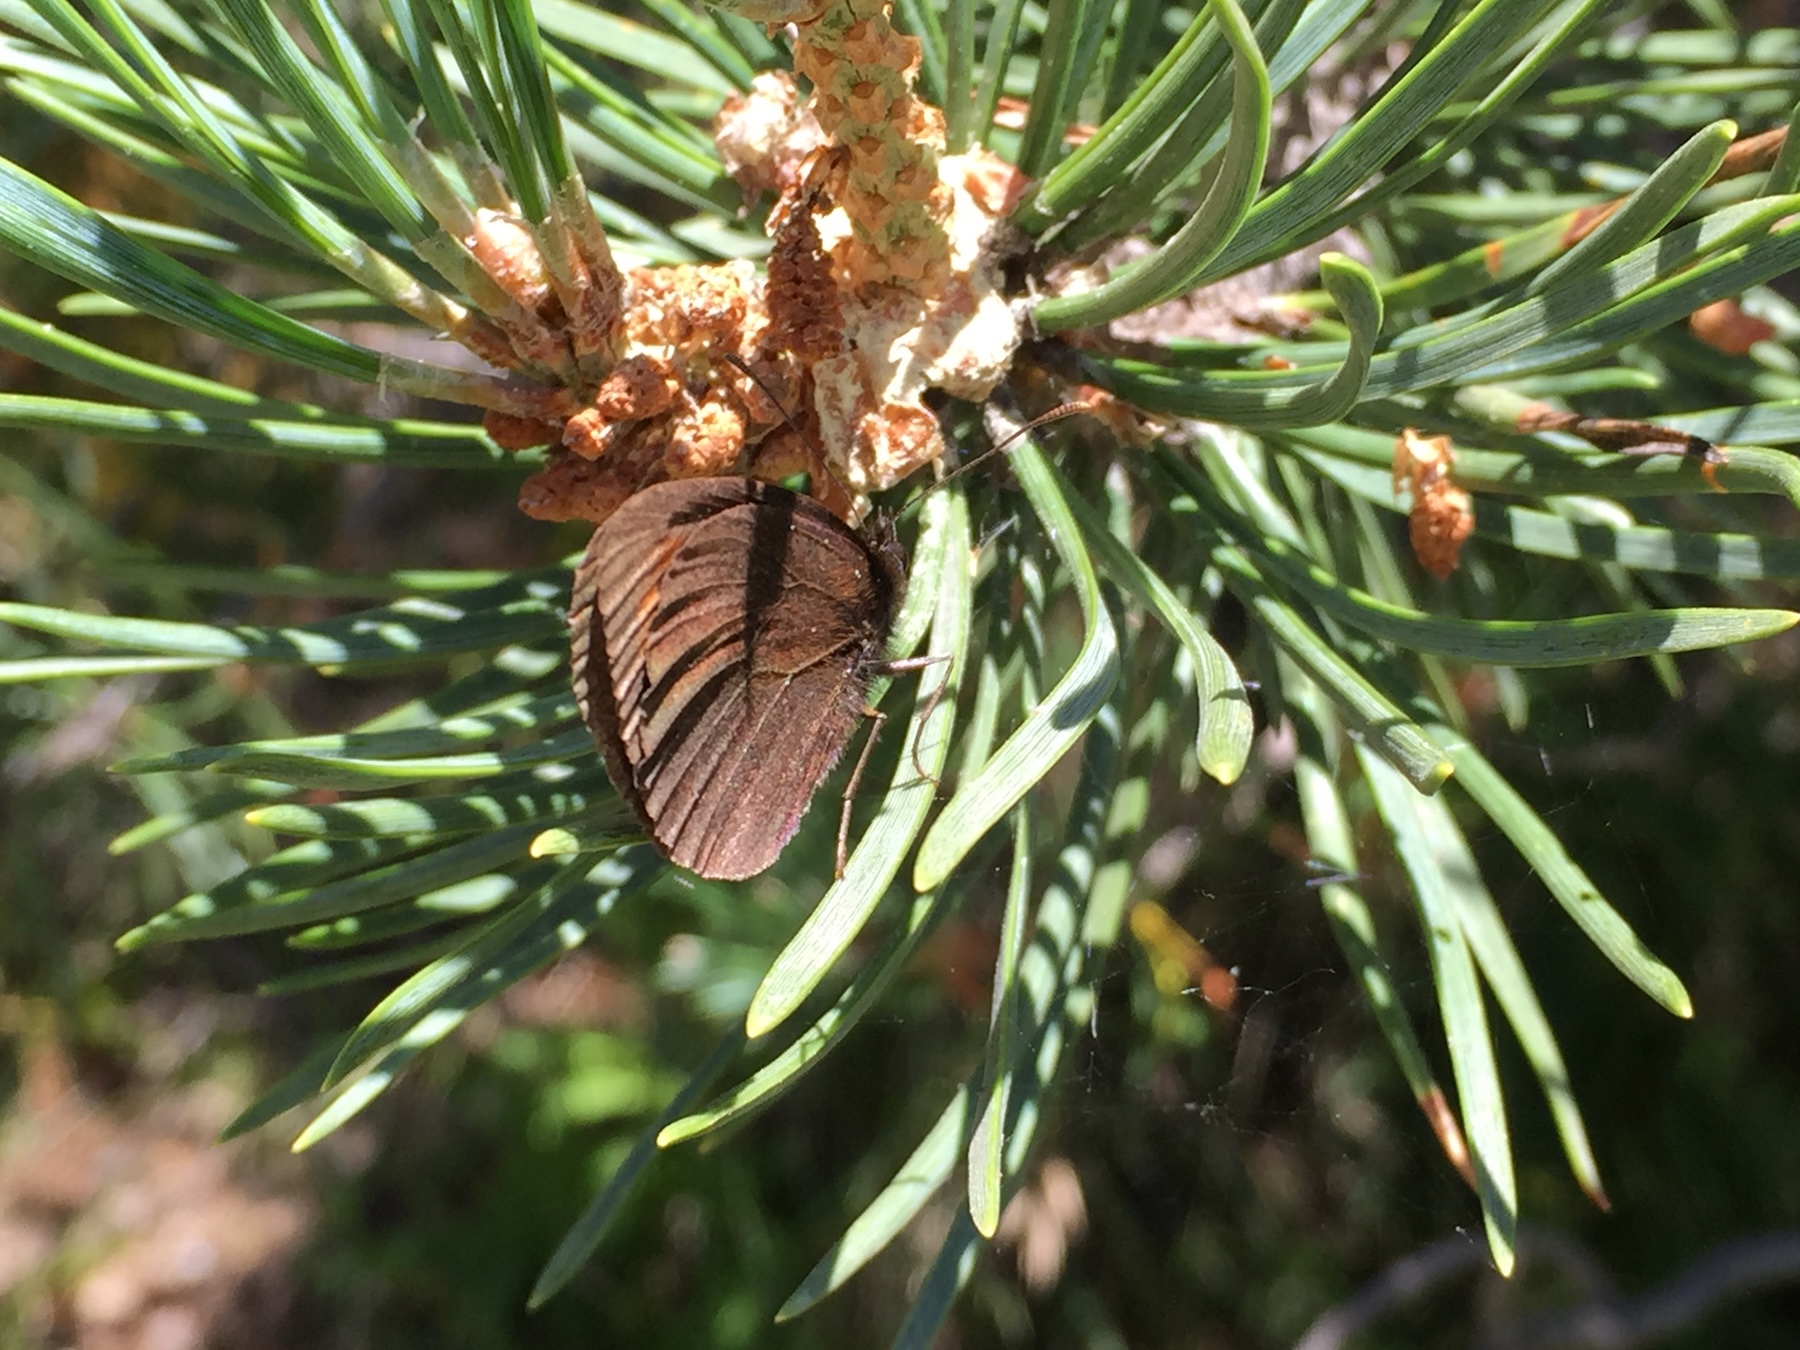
{"x": 1056, "y": 414}
{"x": 1012, "y": 433}
{"x": 774, "y": 398}
{"x": 818, "y": 455}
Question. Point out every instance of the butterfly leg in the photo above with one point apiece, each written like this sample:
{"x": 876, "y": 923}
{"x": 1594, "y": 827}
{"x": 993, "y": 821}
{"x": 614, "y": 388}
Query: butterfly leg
{"x": 935, "y": 697}
{"x": 862, "y": 762}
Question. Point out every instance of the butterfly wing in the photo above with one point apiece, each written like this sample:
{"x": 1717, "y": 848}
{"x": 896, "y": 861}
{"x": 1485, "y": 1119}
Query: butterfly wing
{"x": 720, "y": 633}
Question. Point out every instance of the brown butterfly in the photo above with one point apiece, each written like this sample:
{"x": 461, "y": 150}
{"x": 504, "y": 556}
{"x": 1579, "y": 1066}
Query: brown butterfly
{"x": 724, "y": 632}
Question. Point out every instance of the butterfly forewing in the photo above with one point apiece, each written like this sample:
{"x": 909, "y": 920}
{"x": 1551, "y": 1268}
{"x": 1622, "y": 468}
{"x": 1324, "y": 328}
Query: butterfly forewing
{"x": 722, "y": 631}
